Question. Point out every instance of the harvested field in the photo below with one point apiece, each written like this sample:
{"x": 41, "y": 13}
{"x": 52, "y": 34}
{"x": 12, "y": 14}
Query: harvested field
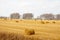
{"x": 46, "y": 31}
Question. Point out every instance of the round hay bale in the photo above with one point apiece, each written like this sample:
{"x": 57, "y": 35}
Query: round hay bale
{"x": 42, "y": 22}
{"x": 17, "y": 21}
{"x": 54, "y": 22}
{"x": 29, "y": 31}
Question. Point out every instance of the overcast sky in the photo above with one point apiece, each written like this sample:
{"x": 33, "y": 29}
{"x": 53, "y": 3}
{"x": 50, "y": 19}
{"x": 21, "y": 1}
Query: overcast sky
{"x": 37, "y": 7}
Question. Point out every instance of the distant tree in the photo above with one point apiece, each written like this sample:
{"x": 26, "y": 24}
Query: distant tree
{"x": 58, "y": 17}
{"x": 2, "y": 17}
{"x": 15, "y": 16}
{"x": 47, "y": 16}
{"x": 27, "y": 16}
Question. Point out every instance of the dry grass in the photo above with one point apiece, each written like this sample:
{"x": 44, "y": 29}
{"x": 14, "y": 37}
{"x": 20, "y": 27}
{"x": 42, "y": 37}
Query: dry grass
{"x": 10, "y": 36}
{"x": 10, "y": 30}
{"x": 15, "y": 36}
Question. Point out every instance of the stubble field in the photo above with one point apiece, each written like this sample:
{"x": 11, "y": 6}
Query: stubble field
{"x": 14, "y": 29}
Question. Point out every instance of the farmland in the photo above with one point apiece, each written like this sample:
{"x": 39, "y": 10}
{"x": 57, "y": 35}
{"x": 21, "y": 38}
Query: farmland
{"x": 46, "y": 31}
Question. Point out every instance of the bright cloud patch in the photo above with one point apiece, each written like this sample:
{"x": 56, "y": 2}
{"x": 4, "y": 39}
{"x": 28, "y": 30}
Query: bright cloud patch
{"x": 37, "y": 7}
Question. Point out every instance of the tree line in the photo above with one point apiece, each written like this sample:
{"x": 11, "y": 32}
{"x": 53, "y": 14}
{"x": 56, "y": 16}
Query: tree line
{"x": 45, "y": 16}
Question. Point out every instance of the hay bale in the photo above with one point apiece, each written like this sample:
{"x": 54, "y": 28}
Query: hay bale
{"x": 17, "y": 21}
{"x": 54, "y": 22}
{"x": 29, "y": 31}
{"x": 42, "y": 22}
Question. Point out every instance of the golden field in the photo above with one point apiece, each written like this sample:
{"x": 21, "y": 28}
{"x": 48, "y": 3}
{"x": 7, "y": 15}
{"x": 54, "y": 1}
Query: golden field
{"x": 14, "y": 29}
